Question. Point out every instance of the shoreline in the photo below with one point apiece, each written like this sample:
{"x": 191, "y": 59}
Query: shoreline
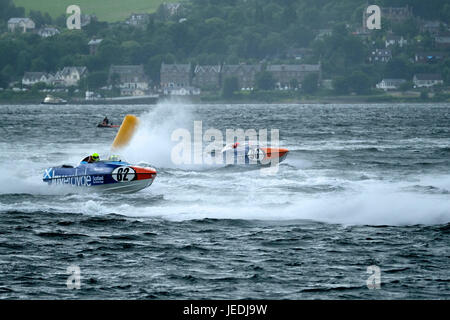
{"x": 191, "y": 102}
{"x": 372, "y": 99}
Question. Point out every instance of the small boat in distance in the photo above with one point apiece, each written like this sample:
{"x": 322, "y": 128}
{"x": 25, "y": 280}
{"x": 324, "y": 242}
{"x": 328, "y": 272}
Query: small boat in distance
{"x": 49, "y": 99}
{"x": 102, "y": 125}
{"x": 107, "y": 124}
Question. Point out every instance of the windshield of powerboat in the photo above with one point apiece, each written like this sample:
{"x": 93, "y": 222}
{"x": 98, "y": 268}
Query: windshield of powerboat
{"x": 240, "y": 145}
{"x": 115, "y": 158}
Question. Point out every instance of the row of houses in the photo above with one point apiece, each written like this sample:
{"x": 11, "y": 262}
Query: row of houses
{"x": 385, "y": 55}
{"x": 67, "y": 77}
{"x": 27, "y": 25}
{"x": 131, "y": 80}
{"x": 175, "y": 76}
{"x": 168, "y": 9}
{"x": 438, "y": 30}
{"x": 422, "y": 80}
{"x": 440, "y": 42}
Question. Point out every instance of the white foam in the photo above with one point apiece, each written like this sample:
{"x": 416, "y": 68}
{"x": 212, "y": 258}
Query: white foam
{"x": 300, "y": 190}
{"x": 152, "y": 141}
{"x": 366, "y": 203}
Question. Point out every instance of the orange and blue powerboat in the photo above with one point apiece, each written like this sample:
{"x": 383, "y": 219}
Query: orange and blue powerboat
{"x": 252, "y": 153}
{"x": 110, "y": 176}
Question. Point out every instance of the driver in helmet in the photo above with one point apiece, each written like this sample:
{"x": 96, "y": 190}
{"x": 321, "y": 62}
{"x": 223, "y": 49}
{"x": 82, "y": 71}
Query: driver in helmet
{"x": 92, "y": 158}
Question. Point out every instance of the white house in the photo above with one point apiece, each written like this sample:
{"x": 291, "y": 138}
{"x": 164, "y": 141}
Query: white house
{"x": 380, "y": 55}
{"x": 175, "y": 75}
{"x": 323, "y": 33}
{"x": 390, "y": 84}
{"x": 69, "y": 76}
{"x": 327, "y": 84}
{"x": 31, "y": 78}
{"x": 132, "y": 79}
{"x": 46, "y": 32}
{"x": 93, "y": 45}
{"x": 23, "y": 24}
{"x": 285, "y": 73}
{"x": 87, "y": 19}
{"x": 429, "y": 56}
{"x": 427, "y": 80}
{"x": 172, "y": 8}
{"x": 442, "y": 42}
{"x": 392, "y": 40}
{"x": 432, "y": 27}
{"x": 182, "y": 91}
{"x": 138, "y": 19}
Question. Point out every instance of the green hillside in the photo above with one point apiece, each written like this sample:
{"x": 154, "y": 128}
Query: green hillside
{"x": 106, "y": 10}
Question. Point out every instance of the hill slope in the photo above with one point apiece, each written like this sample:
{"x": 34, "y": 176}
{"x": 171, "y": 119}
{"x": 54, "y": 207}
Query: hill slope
{"x": 106, "y": 10}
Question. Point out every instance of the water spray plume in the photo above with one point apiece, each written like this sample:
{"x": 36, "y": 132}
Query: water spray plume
{"x": 126, "y": 132}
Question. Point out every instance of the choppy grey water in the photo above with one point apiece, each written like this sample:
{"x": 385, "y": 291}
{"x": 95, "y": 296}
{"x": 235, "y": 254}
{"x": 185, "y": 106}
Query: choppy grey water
{"x": 363, "y": 185}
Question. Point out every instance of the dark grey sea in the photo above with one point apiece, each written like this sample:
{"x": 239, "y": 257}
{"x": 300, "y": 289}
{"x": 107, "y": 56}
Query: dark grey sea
{"x": 363, "y": 186}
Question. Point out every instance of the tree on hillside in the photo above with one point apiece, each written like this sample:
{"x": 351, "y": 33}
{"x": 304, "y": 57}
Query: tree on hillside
{"x": 360, "y": 82}
{"x": 61, "y": 21}
{"x": 9, "y": 10}
{"x": 265, "y": 81}
{"x": 93, "y": 29}
{"x": 96, "y": 80}
{"x": 115, "y": 80}
{"x": 408, "y": 28}
{"x": 357, "y": 82}
{"x": 110, "y": 52}
{"x": 341, "y": 85}
{"x": 424, "y": 95}
{"x": 310, "y": 83}
{"x": 398, "y": 67}
{"x": 445, "y": 13}
{"x": 405, "y": 86}
{"x": 3, "y": 81}
{"x": 230, "y": 85}
{"x": 293, "y": 84}
{"x": 40, "y": 19}
{"x": 340, "y": 51}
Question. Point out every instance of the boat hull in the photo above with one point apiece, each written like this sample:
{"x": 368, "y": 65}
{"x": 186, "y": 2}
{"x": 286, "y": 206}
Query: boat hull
{"x": 54, "y": 103}
{"x": 254, "y": 155}
{"x": 129, "y": 187}
{"x": 114, "y": 176}
{"x": 100, "y": 125}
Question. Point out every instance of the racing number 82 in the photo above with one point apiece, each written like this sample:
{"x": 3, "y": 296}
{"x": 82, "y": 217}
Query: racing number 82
{"x": 122, "y": 174}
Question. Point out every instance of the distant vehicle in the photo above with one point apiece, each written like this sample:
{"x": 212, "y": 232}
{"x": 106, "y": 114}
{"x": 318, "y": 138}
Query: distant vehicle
{"x": 106, "y": 124}
{"x": 103, "y": 125}
{"x": 251, "y": 153}
{"x": 49, "y": 99}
